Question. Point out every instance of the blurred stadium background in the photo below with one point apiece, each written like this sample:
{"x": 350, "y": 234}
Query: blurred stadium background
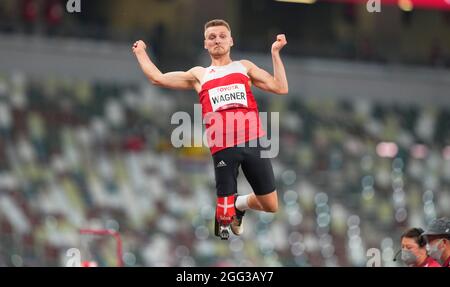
{"x": 85, "y": 139}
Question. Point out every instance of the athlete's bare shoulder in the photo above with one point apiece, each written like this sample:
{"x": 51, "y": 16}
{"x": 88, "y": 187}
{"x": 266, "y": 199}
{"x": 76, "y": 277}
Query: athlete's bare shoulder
{"x": 247, "y": 64}
{"x": 197, "y": 68}
{"x": 198, "y": 72}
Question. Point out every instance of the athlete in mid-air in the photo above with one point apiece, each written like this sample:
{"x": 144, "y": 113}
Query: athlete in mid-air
{"x": 224, "y": 93}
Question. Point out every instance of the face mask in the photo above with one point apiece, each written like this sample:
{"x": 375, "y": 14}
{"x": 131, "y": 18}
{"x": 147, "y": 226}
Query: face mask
{"x": 435, "y": 253}
{"x": 408, "y": 257}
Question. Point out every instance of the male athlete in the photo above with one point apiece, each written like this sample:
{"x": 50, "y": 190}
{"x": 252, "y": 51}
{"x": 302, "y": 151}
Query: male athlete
{"x": 225, "y": 95}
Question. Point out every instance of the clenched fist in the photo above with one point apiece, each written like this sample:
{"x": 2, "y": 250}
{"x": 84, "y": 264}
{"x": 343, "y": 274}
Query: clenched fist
{"x": 279, "y": 43}
{"x": 139, "y": 46}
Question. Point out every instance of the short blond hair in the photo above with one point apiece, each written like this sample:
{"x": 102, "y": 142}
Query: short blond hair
{"x": 217, "y": 22}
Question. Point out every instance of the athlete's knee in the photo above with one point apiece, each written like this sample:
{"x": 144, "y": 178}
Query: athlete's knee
{"x": 272, "y": 207}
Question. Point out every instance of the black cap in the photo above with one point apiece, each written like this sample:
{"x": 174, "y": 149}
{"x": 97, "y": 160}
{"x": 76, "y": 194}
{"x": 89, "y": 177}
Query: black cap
{"x": 440, "y": 226}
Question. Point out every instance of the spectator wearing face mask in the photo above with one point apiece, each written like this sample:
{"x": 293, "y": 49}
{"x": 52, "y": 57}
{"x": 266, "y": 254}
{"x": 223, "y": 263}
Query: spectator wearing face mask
{"x": 437, "y": 237}
{"x": 413, "y": 251}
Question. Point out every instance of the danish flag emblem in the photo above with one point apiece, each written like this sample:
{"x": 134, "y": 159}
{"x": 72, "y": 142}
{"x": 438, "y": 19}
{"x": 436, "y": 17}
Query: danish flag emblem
{"x": 225, "y": 208}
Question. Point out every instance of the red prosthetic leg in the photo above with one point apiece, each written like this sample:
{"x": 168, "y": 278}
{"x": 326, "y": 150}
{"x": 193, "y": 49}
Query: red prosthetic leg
{"x": 225, "y": 212}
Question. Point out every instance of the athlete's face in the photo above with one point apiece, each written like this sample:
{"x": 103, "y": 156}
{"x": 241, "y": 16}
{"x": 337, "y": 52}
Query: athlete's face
{"x": 218, "y": 40}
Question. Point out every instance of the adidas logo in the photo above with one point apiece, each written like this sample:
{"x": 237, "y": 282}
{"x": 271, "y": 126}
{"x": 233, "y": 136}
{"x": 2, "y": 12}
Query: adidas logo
{"x": 221, "y": 164}
{"x": 212, "y": 71}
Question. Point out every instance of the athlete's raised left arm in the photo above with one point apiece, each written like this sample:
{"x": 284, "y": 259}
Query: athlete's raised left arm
{"x": 277, "y": 83}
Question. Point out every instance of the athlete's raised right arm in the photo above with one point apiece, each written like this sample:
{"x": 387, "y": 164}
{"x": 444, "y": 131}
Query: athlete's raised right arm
{"x": 171, "y": 80}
